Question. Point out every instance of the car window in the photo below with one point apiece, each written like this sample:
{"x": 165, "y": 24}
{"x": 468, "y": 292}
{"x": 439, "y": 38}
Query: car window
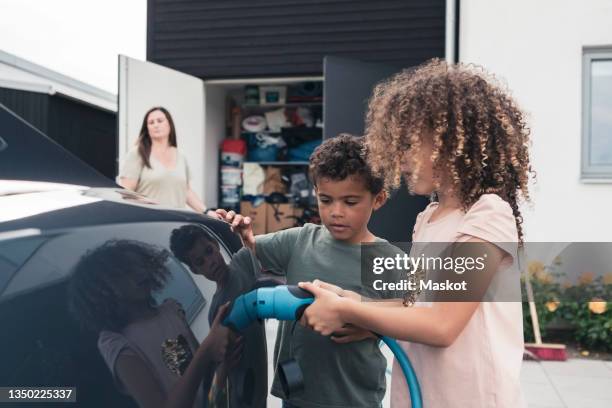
{"x": 57, "y": 255}
{"x": 70, "y": 309}
{"x": 14, "y": 253}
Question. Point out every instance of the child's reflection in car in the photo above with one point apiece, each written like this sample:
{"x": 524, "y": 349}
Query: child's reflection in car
{"x": 150, "y": 350}
{"x": 193, "y": 246}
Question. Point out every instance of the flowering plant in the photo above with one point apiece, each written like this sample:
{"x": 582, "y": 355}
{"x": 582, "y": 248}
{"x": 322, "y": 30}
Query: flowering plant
{"x": 584, "y": 305}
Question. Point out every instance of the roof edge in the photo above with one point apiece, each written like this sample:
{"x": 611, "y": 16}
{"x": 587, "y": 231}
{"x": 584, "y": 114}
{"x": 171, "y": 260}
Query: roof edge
{"x": 25, "y": 65}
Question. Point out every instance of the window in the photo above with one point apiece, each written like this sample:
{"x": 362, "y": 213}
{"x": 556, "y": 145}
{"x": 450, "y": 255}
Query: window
{"x": 13, "y": 254}
{"x": 597, "y": 114}
{"x": 42, "y": 341}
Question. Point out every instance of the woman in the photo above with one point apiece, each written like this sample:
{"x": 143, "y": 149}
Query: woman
{"x": 156, "y": 168}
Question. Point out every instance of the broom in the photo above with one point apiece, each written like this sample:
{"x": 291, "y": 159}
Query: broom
{"x": 539, "y": 350}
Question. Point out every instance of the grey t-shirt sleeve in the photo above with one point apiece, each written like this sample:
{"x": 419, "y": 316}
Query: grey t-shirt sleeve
{"x": 274, "y": 250}
{"x": 246, "y": 265}
{"x": 132, "y": 165}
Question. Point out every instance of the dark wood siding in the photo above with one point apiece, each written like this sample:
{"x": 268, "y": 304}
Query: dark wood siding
{"x": 87, "y": 132}
{"x": 242, "y": 38}
{"x": 31, "y": 106}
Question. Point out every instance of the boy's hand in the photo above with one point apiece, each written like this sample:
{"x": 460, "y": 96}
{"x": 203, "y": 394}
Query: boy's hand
{"x": 350, "y": 333}
{"x": 213, "y": 214}
{"x": 241, "y": 225}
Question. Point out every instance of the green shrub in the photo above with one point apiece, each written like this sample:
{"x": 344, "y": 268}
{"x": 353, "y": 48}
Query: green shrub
{"x": 583, "y": 306}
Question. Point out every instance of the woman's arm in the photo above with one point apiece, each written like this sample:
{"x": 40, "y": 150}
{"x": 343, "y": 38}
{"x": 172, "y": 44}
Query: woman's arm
{"x": 438, "y": 325}
{"x": 131, "y": 170}
{"x": 194, "y": 201}
{"x": 128, "y": 183}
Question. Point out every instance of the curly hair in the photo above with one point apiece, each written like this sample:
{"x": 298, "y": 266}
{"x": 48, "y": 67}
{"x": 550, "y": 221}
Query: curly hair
{"x": 341, "y": 157}
{"x": 91, "y": 298}
{"x": 183, "y": 239}
{"x": 480, "y": 137}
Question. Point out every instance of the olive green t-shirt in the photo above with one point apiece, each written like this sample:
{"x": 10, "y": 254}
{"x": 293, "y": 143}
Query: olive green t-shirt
{"x": 335, "y": 375}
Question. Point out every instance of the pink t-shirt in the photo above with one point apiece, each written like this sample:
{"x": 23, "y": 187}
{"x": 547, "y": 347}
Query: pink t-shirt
{"x": 482, "y": 367}
{"x": 164, "y": 342}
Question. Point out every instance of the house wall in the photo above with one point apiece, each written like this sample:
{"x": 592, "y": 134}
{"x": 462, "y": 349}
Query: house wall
{"x": 31, "y": 106}
{"x": 242, "y": 38}
{"x": 536, "y": 47}
{"x": 85, "y": 131}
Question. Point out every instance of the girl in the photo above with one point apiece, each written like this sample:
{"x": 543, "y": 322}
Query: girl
{"x": 156, "y": 168}
{"x": 150, "y": 350}
{"x": 454, "y": 133}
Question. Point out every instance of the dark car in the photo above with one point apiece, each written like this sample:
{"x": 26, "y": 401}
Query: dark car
{"x": 79, "y": 255}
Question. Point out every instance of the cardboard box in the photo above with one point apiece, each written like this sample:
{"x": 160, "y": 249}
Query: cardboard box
{"x": 280, "y": 217}
{"x": 273, "y": 182}
{"x": 258, "y": 215}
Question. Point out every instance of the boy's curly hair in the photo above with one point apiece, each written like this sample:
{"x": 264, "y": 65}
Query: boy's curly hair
{"x": 91, "y": 298}
{"x": 341, "y": 157}
{"x": 479, "y": 134}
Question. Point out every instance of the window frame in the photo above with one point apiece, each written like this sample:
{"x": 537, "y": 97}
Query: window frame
{"x": 590, "y": 173}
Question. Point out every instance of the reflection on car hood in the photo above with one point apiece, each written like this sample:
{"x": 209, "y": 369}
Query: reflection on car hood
{"x": 20, "y": 200}
{"x": 68, "y": 206}
{"x": 17, "y": 206}
{"x": 11, "y": 187}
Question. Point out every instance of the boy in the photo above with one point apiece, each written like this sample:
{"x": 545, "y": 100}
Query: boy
{"x": 246, "y": 364}
{"x": 348, "y": 369}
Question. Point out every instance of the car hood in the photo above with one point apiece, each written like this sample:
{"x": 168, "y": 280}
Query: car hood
{"x": 49, "y": 206}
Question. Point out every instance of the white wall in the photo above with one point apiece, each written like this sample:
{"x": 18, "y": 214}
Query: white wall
{"x": 143, "y": 85}
{"x": 214, "y": 129}
{"x": 536, "y": 46}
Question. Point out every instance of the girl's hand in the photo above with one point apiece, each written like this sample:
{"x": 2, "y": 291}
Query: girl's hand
{"x": 350, "y": 333}
{"x": 239, "y": 224}
{"x": 324, "y": 315}
{"x": 337, "y": 290}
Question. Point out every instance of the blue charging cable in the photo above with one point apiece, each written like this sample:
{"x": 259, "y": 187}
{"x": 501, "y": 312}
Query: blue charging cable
{"x": 409, "y": 374}
{"x": 288, "y": 302}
